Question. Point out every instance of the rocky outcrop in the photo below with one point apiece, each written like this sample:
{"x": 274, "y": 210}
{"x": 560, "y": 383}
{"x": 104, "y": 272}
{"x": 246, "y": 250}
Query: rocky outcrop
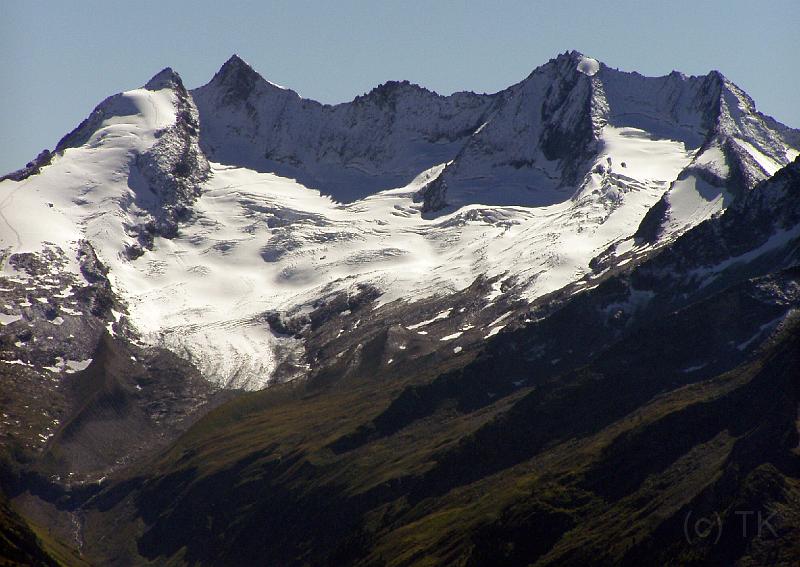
{"x": 175, "y": 166}
{"x": 31, "y": 168}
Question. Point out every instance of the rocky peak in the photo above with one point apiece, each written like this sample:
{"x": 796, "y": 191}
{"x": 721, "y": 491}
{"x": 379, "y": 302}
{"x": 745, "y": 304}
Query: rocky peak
{"x": 174, "y": 167}
{"x": 389, "y": 92}
{"x": 545, "y": 119}
{"x": 237, "y": 77}
{"x": 235, "y": 68}
{"x": 116, "y": 105}
{"x": 563, "y": 68}
{"x": 165, "y": 79}
{"x": 31, "y": 168}
{"x": 394, "y": 87}
{"x": 755, "y": 145}
{"x": 566, "y": 62}
{"x": 238, "y": 80}
{"x": 566, "y": 108}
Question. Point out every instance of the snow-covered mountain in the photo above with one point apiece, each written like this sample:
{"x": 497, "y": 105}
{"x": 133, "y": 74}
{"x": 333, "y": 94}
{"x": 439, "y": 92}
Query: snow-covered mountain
{"x": 217, "y": 218}
{"x": 380, "y": 140}
{"x": 567, "y": 309}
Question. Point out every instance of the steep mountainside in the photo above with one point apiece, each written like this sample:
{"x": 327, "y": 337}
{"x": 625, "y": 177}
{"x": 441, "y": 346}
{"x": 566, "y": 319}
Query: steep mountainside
{"x": 588, "y": 436}
{"x": 381, "y": 140}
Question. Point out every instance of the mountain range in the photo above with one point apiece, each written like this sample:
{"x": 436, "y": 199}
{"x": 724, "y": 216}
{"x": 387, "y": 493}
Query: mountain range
{"x": 552, "y": 325}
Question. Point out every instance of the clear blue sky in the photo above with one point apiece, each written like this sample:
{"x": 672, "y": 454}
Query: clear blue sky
{"x": 59, "y": 59}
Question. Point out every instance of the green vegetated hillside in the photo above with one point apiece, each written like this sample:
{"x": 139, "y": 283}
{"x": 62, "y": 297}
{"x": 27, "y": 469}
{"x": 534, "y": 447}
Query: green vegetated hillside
{"x": 22, "y": 544}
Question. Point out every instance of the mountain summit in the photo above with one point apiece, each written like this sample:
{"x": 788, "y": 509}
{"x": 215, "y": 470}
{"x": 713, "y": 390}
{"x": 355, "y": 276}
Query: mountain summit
{"x": 545, "y": 133}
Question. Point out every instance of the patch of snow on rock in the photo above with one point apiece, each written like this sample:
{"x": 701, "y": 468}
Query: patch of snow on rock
{"x": 7, "y": 319}
{"x": 451, "y": 337}
{"x": 588, "y": 66}
{"x": 494, "y": 331}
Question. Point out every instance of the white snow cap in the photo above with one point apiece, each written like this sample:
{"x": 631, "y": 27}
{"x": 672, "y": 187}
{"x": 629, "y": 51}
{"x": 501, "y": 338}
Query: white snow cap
{"x": 588, "y": 66}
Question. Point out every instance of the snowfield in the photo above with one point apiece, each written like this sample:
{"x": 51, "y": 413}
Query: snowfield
{"x": 257, "y": 242}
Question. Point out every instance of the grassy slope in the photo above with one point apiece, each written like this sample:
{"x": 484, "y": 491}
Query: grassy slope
{"x": 598, "y": 465}
{"x": 22, "y": 543}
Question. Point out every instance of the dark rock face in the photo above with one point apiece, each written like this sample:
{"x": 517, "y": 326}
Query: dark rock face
{"x": 166, "y": 79}
{"x": 238, "y": 78}
{"x": 98, "y": 293}
{"x": 31, "y": 168}
{"x": 650, "y": 228}
{"x": 174, "y": 167}
{"x": 566, "y": 115}
{"x": 433, "y": 196}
